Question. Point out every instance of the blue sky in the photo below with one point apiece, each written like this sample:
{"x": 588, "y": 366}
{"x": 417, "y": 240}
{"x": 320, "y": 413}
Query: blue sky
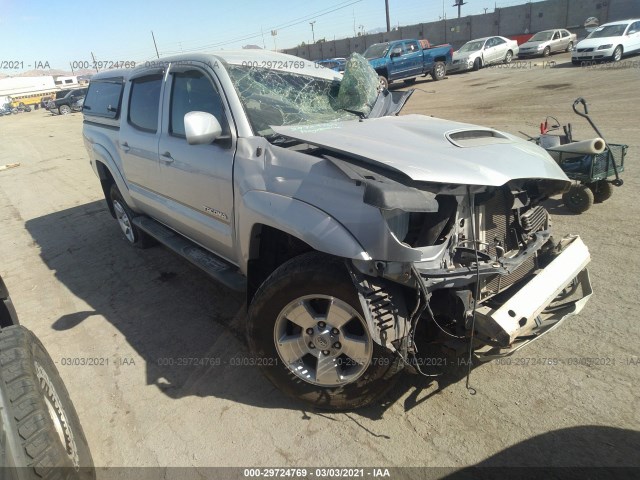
{"x": 118, "y": 30}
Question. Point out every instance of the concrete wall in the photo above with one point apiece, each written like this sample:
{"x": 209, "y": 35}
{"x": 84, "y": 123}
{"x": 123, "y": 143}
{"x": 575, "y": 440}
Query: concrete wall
{"x": 516, "y": 20}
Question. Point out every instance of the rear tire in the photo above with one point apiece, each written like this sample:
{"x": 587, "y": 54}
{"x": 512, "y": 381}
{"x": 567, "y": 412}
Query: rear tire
{"x": 508, "y": 57}
{"x": 299, "y": 301}
{"x": 125, "y": 216}
{"x": 439, "y": 71}
{"x": 40, "y": 433}
{"x": 602, "y": 190}
{"x": 578, "y": 199}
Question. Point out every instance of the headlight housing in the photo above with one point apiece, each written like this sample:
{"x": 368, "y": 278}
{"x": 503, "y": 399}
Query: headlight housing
{"x": 540, "y": 47}
{"x": 605, "y": 47}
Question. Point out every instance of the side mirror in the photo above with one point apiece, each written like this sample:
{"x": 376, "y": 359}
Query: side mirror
{"x": 396, "y": 52}
{"x": 201, "y": 128}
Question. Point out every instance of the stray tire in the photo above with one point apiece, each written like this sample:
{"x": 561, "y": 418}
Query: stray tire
{"x": 617, "y": 54}
{"x": 546, "y": 52}
{"x": 384, "y": 83}
{"x": 439, "y": 71}
{"x": 508, "y": 57}
{"x": 477, "y": 64}
{"x": 578, "y": 199}
{"x": 602, "y": 190}
{"x": 307, "y": 330}
{"x": 64, "y": 109}
{"x": 569, "y": 47}
{"x": 40, "y": 433}
{"x": 125, "y": 216}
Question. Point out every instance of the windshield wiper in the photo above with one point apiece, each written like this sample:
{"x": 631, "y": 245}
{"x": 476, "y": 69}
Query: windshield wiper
{"x": 361, "y": 115}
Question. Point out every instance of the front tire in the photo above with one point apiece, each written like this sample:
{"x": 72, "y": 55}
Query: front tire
{"x": 617, "y": 54}
{"x": 384, "y": 83}
{"x": 477, "y": 64}
{"x": 64, "y": 109}
{"x": 578, "y": 199}
{"x": 307, "y": 329}
{"x": 40, "y": 433}
{"x": 546, "y": 52}
{"x": 569, "y": 47}
{"x": 439, "y": 71}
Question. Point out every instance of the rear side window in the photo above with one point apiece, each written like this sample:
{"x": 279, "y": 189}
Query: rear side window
{"x": 103, "y": 98}
{"x": 144, "y": 103}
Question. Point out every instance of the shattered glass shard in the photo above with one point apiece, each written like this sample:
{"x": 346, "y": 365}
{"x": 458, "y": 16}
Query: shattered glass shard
{"x": 359, "y": 86}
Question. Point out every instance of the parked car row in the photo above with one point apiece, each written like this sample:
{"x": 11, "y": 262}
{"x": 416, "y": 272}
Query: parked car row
{"x": 7, "y": 109}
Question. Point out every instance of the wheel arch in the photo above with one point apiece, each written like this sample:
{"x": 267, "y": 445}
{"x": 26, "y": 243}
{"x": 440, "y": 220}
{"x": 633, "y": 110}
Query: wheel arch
{"x": 109, "y": 173}
{"x": 270, "y": 222}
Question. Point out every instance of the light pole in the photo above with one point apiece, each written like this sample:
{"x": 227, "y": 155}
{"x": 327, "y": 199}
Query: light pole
{"x": 313, "y": 34}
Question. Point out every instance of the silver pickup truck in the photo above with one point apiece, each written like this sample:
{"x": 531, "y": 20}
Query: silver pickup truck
{"x": 359, "y": 236}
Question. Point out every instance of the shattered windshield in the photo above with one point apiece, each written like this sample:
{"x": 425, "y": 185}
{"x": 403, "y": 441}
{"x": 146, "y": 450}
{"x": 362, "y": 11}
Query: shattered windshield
{"x": 471, "y": 46}
{"x": 276, "y": 98}
{"x": 376, "y": 50}
{"x": 541, "y": 37}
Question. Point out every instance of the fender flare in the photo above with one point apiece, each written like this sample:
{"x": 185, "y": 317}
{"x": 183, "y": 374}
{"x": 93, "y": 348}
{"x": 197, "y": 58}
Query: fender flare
{"x": 299, "y": 219}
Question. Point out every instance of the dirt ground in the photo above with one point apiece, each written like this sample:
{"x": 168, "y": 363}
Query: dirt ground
{"x": 570, "y": 399}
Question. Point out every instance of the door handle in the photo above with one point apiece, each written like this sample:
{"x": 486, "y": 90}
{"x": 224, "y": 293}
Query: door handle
{"x": 166, "y": 156}
{"x": 125, "y": 146}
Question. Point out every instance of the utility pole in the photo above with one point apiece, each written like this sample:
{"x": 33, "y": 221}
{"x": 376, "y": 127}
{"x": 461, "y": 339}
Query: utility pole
{"x": 313, "y": 34}
{"x": 264, "y": 45}
{"x": 459, "y": 4}
{"x": 386, "y": 6}
{"x": 273, "y": 34}
{"x": 95, "y": 64}
{"x": 154, "y": 44}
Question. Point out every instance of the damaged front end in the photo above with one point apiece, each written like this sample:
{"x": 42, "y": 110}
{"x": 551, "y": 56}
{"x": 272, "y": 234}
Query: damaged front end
{"x": 457, "y": 243}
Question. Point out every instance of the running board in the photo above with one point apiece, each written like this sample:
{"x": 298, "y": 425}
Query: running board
{"x": 211, "y": 264}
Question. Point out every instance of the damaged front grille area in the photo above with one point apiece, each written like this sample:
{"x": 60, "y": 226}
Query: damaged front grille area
{"x": 502, "y": 229}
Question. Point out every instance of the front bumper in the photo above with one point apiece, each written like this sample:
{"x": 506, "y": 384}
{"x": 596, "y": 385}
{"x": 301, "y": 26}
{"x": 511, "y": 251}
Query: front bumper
{"x": 536, "y": 309}
{"x": 577, "y": 56}
{"x": 460, "y": 66}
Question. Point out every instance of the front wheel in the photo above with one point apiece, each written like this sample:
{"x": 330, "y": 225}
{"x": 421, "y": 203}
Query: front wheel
{"x": 308, "y": 332}
{"x": 617, "y": 54}
{"x": 546, "y": 52}
{"x": 384, "y": 83}
{"x": 40, "y": 433}
{"x": 439, "y": 71}
{"x": 569, "y": 47}
{"x": 578, "y": 199}
{"x": 64, "y": 109}
{"x": 477, "y": 64}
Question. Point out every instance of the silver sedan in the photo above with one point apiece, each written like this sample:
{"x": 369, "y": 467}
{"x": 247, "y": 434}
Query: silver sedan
{"x": 547, "y": 42}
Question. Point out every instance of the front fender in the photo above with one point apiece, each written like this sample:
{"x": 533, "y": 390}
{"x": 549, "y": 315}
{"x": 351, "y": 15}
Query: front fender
{"x": 301, "y": 220}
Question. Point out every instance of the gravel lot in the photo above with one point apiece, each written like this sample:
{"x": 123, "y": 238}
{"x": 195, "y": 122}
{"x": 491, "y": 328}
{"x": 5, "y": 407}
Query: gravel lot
{"x": 136, "y": 313}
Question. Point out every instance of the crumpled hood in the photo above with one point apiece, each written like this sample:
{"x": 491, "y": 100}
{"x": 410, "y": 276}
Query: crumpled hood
{"x": 433, "y": 150}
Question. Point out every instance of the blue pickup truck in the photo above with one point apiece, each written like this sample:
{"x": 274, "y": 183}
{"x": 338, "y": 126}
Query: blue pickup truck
{"x": 408, "y": 59}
